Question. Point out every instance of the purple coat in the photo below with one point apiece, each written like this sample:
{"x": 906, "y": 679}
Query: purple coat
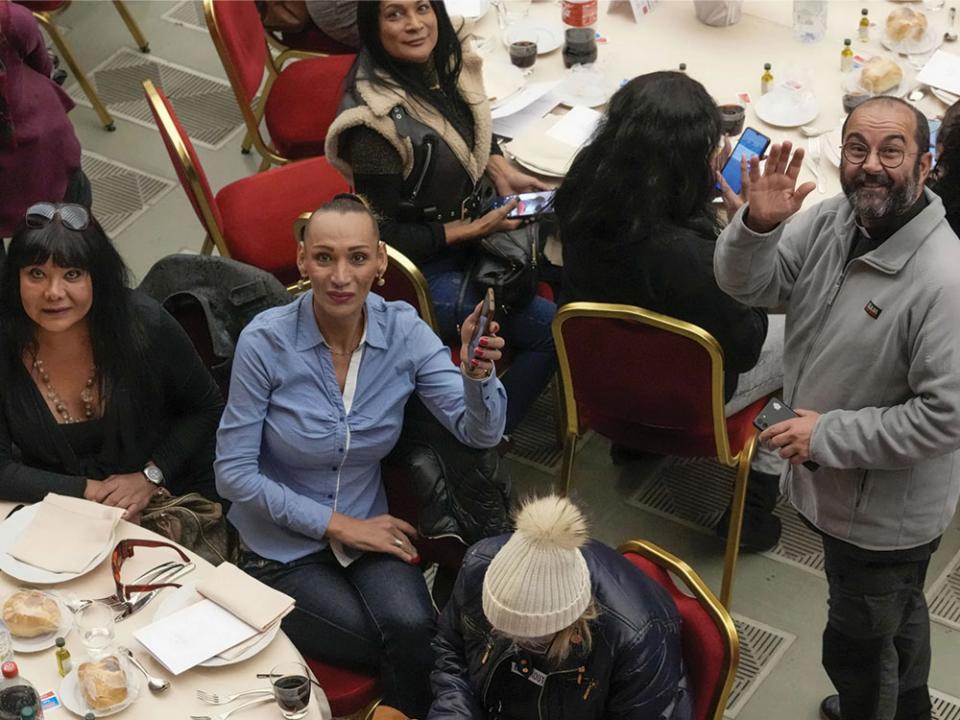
{"x": 44, "y": 151}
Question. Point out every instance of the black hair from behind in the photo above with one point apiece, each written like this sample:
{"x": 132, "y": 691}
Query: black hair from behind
{"x": 946, "y": 179}
{"x": 116, "y": 335}
{"x": 649, "y": 161}
{"x": 447, "y": 56}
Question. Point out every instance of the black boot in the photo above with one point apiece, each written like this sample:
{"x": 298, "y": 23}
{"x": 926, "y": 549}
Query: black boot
{"x": 761, "y": 528}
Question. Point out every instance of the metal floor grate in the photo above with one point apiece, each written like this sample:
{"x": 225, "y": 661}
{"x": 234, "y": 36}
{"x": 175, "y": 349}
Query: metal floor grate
{"x": 695, "y": 492}
{"x": 944, "y": 596}
{"x": 535, "y": 439}
{"x": 188, "y": 13}
{"x": 121, "y": 193}
{"x": 206, "y": 105}
{"x": 761, "y": 647}
{"x": 945, "y": 707}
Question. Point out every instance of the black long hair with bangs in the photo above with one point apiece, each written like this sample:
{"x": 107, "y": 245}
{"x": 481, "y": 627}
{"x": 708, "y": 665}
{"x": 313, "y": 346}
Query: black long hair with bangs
{"x": 447, "y": 56}
{"x": 116, "y": 336}
{"x": 648, "y": 162}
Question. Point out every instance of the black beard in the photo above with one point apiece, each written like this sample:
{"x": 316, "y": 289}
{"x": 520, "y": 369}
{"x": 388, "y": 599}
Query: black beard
{"x": 900, "y": 197}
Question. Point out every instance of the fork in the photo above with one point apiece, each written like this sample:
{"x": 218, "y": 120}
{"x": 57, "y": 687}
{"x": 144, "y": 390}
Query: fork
{"x": 224, "y": 716}
{"x": 813, "y": 146}
{"x": 212, "y": 698}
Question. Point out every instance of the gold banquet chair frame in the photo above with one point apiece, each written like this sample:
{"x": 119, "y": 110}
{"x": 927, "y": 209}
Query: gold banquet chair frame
{"x": 708, "y": 601}
{"x": 45, "y": 18}
{"x": 724, "y": 453}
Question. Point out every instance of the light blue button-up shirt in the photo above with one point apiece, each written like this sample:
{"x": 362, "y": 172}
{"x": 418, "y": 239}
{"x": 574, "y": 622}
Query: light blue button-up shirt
{"x": 282, "y": 452}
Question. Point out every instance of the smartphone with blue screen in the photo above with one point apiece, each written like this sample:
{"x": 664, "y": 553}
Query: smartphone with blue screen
{"x": 750, "y": 143}
{"x": 935, "y": 124}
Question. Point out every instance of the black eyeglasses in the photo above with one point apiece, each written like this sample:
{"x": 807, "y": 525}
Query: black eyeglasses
{"x": 890, "y": 157}
{"x": 72, "y": 216}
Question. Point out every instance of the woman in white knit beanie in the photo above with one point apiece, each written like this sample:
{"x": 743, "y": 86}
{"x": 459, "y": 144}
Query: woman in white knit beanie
{"x": 545, "y": 623}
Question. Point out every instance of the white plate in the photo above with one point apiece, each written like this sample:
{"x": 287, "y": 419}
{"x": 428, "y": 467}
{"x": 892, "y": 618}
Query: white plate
{"x": 537, "y": 170}
{"x": 830, "y": 145}
{"x": 787, "y": 108}
{"x": 584, "y": 88}
{"x": 547, "y": 37}
{"x": 467, "y": 9}
{"x": 501, "y": 81}
{"x": 945, "y": 97}
{"x": 10, "y": 531}
{"x": 42, "y": 642}
{"x": 188, "y": 595}
{"x": 928, "y": 43}
{"x": 72, "y": 697}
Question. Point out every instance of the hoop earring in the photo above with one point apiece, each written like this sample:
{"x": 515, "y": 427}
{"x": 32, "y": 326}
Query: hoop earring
{"x": 381, "y": 281}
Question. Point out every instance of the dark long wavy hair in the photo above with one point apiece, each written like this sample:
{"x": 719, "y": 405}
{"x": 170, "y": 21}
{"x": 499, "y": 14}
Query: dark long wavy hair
{"x": 116, "y": 336}
{"x": 648, "y": 162}
{"x": 946, "y": 179}
{"x": 447, "y": 57}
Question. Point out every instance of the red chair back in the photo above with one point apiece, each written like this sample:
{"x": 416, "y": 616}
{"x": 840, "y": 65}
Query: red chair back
{"x": 640, "y": 385}
{"x": 710, "y": 645}
{"x": 190, "y": 172}
{"x": 404, "y": 281}
{"x": 347, "y": 691}
{"x": 241, "y": 34}
{"x": 42, "y": 5}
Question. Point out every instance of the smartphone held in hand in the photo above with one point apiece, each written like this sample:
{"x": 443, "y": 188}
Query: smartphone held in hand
{"x": 776, "y": 411}
{"x": 483, "y": 322}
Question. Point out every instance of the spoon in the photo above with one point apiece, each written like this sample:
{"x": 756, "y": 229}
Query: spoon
{"x": 916, "y": 95}
{"x": 156, "y": 685}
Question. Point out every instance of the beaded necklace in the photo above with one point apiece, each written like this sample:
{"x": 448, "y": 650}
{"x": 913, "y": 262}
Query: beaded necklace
{"x": 86, "y": 395}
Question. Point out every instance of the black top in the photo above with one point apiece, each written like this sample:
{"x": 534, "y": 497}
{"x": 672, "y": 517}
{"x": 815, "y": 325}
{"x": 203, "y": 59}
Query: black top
{"x": 667, "y": 269}
{"x": 38, "y": 455}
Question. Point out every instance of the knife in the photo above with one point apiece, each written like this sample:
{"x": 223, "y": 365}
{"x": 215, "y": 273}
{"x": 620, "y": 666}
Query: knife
{"x": 133, "y": 605}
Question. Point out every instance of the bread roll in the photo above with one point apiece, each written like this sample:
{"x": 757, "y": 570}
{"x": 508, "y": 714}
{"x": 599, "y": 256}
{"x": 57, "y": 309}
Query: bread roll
{"x": 30, "y": 613}
{"x": 906, "y": 25}
{"x": 103, "y": 683}
{"x": 880, "y": 74}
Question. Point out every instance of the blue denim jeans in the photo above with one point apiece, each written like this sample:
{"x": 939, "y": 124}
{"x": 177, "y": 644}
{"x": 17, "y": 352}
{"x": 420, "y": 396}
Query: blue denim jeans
{"x": 526, "y": 331}
{"x": 376, "y": 614}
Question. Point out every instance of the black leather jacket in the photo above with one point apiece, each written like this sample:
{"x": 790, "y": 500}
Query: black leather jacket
{"x": 634, "y": 669}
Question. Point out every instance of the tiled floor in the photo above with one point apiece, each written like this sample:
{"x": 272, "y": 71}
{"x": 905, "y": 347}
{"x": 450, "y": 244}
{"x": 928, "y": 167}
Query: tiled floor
{"x": 780, "y": 605}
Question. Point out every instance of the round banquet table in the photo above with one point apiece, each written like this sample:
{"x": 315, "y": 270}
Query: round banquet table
{"x": 180, "y": 700}
{"x": 729, "y": 60}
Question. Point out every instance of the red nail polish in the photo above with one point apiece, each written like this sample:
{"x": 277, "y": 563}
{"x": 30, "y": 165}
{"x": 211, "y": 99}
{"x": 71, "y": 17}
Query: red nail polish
{"x": 483, "y": 342}
{"x": 478, "y": 353}
{"x": 474, "y": 363}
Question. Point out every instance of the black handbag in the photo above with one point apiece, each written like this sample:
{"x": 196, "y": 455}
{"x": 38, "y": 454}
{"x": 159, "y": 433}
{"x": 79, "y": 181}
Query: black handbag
{"x": 507, "y": 262}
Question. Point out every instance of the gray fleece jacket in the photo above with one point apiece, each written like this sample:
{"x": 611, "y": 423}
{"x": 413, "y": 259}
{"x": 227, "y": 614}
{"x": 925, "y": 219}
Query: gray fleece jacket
{"x": 873, "y": 345}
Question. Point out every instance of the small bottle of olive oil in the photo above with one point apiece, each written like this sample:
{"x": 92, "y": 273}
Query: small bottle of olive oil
{"x": 766, "y": 80}
{"x": 846, "y": 56}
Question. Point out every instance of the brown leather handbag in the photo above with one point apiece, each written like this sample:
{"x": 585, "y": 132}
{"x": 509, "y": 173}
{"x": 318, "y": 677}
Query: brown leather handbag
{"x": 193, "y": 522}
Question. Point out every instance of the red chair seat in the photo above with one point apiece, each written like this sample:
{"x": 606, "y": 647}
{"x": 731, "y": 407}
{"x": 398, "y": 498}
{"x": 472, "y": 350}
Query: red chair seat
{"x": 41, "y": 5}
{"x": 298, "y": 127}
{"x": 347, "y": 691}
{"x": 257, "y": 212}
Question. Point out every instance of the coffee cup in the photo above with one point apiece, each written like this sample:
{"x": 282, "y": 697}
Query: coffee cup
{"x": 731, "y": 119}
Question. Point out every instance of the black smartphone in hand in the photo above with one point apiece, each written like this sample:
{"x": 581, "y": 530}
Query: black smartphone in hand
{"x": 776, "y": 411}
{"x": 483, "y": 322}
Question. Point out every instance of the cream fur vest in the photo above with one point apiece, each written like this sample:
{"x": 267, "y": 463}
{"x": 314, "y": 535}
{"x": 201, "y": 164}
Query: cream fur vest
{"x": 374, "y": 114}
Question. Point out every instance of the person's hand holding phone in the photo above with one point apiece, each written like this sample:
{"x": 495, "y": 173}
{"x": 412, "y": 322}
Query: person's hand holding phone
{"x": 791, "y": 438}
{"x": 495, "y": 220}
{"x": 774, "y": 195}
{"x": 510, "y": 181}
{"x": 487, "y": 348}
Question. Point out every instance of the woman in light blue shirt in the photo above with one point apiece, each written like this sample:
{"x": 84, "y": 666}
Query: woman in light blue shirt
{"x": 316, "y": 402}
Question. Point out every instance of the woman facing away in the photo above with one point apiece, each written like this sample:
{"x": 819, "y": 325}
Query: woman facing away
{"x": 101, "y": 391}
{"x": 414, "y": 135}
{"x": 945, "y": 177}
{"x": 638, "y": 227}
{"x": 316, "y": 402}
{"x": 545, "y": 623}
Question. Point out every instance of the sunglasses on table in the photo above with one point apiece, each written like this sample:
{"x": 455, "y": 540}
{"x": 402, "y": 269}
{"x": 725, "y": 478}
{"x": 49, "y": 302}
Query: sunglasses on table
{"x": 72, "y": 216}
{"x": 124, "y": 550}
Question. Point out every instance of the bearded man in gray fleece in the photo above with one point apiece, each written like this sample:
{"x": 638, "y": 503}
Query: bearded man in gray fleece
{"x": 871, "y": 285}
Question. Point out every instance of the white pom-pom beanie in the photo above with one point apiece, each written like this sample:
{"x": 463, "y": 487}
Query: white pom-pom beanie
{"x": 539, "y": 583}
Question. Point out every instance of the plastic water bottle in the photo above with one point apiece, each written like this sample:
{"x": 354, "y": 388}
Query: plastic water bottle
{"x": 809, "y": 20}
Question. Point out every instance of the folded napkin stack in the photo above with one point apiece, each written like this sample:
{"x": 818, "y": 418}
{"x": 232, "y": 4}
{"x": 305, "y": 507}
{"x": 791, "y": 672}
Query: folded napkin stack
{"x": 258, "y": 605}
{"x": 66, "y": 534}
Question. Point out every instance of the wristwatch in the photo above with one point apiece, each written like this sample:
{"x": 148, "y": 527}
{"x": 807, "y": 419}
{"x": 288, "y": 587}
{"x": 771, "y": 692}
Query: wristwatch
{"x": 153, "y": 474}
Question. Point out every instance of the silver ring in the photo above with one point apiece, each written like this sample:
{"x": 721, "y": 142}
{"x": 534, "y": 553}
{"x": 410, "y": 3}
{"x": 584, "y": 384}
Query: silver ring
{"x": 398, "y": 542}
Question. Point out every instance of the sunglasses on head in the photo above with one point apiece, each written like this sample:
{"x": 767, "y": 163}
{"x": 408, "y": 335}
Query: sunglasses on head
{"x": 72, "y": 216}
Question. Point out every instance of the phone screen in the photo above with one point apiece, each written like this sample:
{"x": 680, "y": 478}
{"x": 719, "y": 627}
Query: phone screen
{"x": 528, "y": 204}
{"x": 751, "y": 143}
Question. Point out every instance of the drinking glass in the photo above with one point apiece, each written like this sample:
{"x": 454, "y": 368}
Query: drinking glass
{"x": 809, "y": 20}
{"x": 95, "y": 624}
{"x": 291, "y": 688}
{"x": 523, "y": 54}
{"x": 516, "y": 10}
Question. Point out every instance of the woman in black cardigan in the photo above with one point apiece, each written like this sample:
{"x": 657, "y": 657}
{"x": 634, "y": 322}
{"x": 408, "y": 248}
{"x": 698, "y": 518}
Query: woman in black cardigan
{"x": 638, "y": 228}
{"x": 102, "y": 394}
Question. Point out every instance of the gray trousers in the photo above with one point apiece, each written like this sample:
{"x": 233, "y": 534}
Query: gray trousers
{"x": 762, "y": 379}
{"x": 876, "y": 646}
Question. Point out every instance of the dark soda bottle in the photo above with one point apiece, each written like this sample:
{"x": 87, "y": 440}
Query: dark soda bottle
{"x": 16, "y": 693}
